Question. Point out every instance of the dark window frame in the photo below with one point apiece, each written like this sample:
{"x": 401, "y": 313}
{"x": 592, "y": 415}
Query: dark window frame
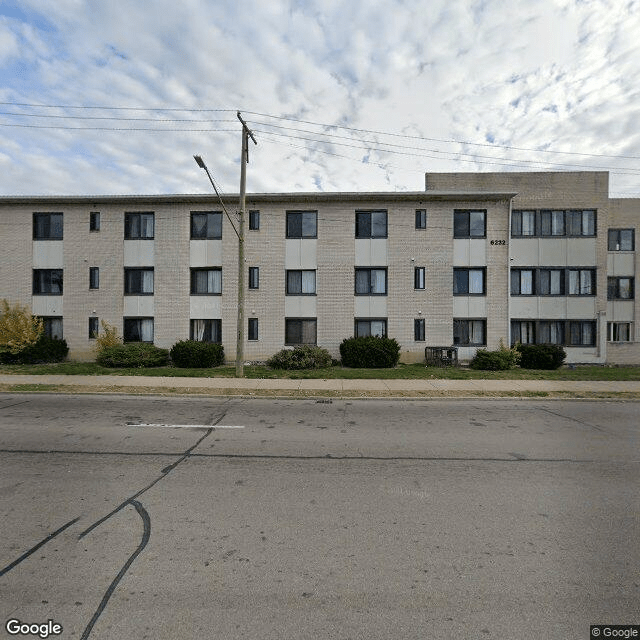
{"x": 295, "y": 220}
{"x": 126, "y": 328}
{"x": 385, "y": 326}
{"x": 94, "y": 327}
{"x": 43, "y": 282}
{"x": 210, "y": 230}
{"x": 94, "y": 221}
{"x": 130, "y": 284}
{"x": 254, "y": 278}
{"x": 364, "y": 228}
{"x": 462, "y": 224}
{"x": 45, "y": 231}
{"x": 593, "y": 286}
{"x": 129, "y": 218}
{"x": 370, "y": 270}
{"x": 48, "y": 329}
{"x": 467, "y": 271}
{"x": 614, "y": 238}
{"x": 459, "y": 343}
{"x": 544, "y": 223}
{"x": 254, "y": 220}
{"x": 421, "y": 218}
{"x": 419, "y": 330}
{"x": 94, "y": 278}
{"x": 252, "y": 329}
{"x": 613, "y": 287}
{"x": 613, "y": 331}
{"x": 289, "y": 324}
{"x": 193, "y": 281}
{"x": 212, "y": 328}
{"x": 291, "y": 272}
{"x": 419, "y": 278}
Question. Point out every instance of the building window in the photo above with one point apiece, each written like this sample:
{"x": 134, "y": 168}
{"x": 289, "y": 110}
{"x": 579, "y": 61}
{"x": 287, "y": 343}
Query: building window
{"x": 550, "y": 332}
{"x": 582, "y": 333}
{"x": 47, "y": 226}
{"x": 254, "y": 277}
{"x": 371, "y": 282}
{"x": 522, "y": 282}
{"x": 206, "y": 281}
{"x": 209, "y": 330}
{"x": 621, "y": 240}
{"x": 523, "y": 331}
{"x": 619, "y": 288}
{"x": 301, "y": 283}
{"x": 419, "y": 277}
{"x": 300, "y": 331}
{"x": 523, "y": 223}
{"x": 418, "y": 330}
{"x": 552, "y": 223}
{"x": 254, "y": 220}
{"x": 138, "y": 226}
{"x": 550, "y": 282}
{"x": 206, "y": 225}
{"x": 138, "y": 329}
{"x": 421, "y": 218}
{"x": 618, "y": 331}
{"x": 47, "y": 282}
{"x": 52, "y": 327}
{"x": 469, "y": 282}
{"x": 138, "y": 281}
{"x": 302, "y": 224}
{"x": 94, "y": 277}
{"x": 253, "y": 329}
{"x": 94, "y": 221}
{"x": 371, "y": 224}
{"x": 365, "y": 327}
{"x": 94, "y": 327}
{"x": 582, "y": 282}
{"x": 470, "y": 333}
{"x": 469, "y": 224}
{"x": 581, "y": 222}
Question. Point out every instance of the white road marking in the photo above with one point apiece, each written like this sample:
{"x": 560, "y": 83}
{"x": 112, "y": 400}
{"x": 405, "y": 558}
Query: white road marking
{"x": 185, "y": 426}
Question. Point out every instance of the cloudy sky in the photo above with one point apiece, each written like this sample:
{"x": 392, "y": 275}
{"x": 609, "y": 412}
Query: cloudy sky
{"x": 112, "y": 97}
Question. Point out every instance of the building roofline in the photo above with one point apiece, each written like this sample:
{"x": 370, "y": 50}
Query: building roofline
{"x": 257, "y": 198}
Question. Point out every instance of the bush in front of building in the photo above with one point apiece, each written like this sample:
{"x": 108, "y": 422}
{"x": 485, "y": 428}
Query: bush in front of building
{"x": 541, "y": 356}
{"x": 501, "y": 359}
{"x": 195, "y": 354}
{"x": 108, "y": 337}
{"x": 302, "y": 357}
{"x": 370, "y": 352}
{"x": 133, "y": 354}
{"x": 18, "y": 328}
{"x": 43, "y": 350}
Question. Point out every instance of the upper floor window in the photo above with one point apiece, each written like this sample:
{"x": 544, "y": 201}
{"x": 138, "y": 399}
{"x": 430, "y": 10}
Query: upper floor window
{"x": 581, "y": 223}
{"x": 469, "y": 224}
{"x": 621, "y": 240}
{"x": 94, "y": 277}
{"x": 371, "y": 224}
{"x": 302, "y": 224}
{"x": 254, "y": 277}
{"x": 582, "y": 282}
{"x": 254, "y": 220}
{"x": 206, "y": 281}
{"x": 553, "y": 222}
{"x": 371, "y": 282}
{"x": 301, "y": 282}
{"x": 523, "y": 223}
{"x": 138, "y": 281}
{"x": 206, "y": 225}
{"x": 47, "y": 226}
{"x": 419, "y": 277}
{"x": 619, "y": 288}
{"x": 94, "y": 221}
{"x": 138, "y": 226}
{"x": 469, "y": 282}
{"x": 522, "y": 282}
{"x": 421, "y": 218}
{"x": 550, "y": 282}
{"x": 47, "y": 282}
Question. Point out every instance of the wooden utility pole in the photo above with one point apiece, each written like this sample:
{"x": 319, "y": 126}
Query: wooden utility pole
{"x": 244, "y": 159}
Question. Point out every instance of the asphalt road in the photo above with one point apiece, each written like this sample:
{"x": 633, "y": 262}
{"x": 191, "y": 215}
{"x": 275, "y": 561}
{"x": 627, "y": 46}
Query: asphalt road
{"x": 347, "y": 519}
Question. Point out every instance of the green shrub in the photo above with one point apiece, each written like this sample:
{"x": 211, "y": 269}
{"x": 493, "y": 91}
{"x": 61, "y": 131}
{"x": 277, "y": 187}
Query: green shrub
{"x": 370, "y": 352}
{"x": 500, "y": 360}
{"x": 541, "y": 356}
{"x": 133, "y": 354}
{"x": 196, "y": 354}
{"x": 44, "y": 350}
{"x": 302, "y": 357}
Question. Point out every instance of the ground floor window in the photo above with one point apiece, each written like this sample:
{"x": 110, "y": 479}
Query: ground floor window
{"x": 572, "y": 333}
{"x": 253, "y": 329}
{"x": 300, "y": 331}
{"x": 371, "y": 327}
{"x": 52, "y": 327}
{"x": 94, "y": 327}
{"x": 469, "y": 333}
{"x": 138, "y": 329}
{"x": 209, "y": 330}
{"x": 523, "y": 331}
{"x": 618, "y": 331}
{"x": 418, "y": 330}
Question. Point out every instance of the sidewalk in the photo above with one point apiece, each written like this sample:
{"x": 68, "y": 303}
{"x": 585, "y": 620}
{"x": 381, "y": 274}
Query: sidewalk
{"x": 319, "y": 388}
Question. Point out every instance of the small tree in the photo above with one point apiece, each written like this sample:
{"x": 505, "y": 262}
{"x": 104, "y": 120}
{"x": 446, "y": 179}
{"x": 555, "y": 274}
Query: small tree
{"x": 18, "y": 328}
{"x": 108, "y": 338}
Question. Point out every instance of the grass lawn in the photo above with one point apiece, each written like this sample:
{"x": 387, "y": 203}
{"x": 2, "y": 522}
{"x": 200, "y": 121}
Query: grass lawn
{"x": 402, "y": 371}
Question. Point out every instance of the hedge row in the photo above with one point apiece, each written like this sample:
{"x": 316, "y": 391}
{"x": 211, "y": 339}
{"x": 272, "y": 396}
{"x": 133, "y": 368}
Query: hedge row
{"x": 44, "y": 350}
